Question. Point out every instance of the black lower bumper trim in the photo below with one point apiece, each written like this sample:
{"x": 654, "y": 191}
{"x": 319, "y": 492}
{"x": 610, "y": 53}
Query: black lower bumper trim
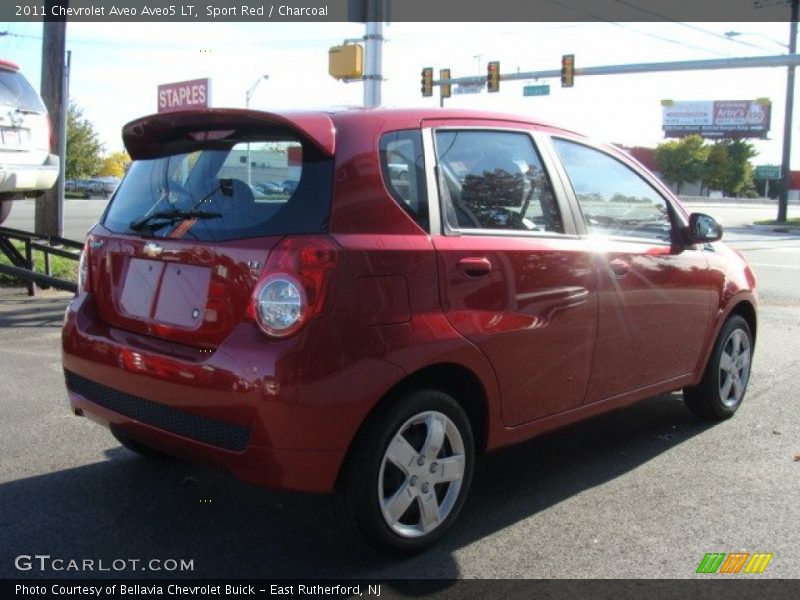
{"x": 209, "y": 431}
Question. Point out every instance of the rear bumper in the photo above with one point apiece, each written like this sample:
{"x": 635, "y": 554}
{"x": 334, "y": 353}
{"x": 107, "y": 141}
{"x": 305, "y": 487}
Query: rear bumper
{"x": 231, "y": 409}
{"x": 29, "y": 178}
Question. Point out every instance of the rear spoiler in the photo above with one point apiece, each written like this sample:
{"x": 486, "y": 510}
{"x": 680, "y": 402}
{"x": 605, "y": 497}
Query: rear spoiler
{"x": 153, "y": 135}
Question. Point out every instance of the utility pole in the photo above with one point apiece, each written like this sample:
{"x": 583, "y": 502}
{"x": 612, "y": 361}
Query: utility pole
{"x": 783, "y": 199}
{"x": 373, "y": 13}
{"x": 49, "y": 213}
{"x": 373, "y": 75}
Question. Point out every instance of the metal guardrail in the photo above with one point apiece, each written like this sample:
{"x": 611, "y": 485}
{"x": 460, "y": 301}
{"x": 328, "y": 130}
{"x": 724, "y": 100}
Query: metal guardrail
{"x": 22, "y": 263}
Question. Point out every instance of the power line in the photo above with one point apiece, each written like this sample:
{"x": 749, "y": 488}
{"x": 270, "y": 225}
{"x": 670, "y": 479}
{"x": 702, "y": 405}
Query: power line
{"x": 19, "y": 35}
{"x": 690, "y": 26}
{"x": 670, "y": 40}
{"x": 648, "y": 34}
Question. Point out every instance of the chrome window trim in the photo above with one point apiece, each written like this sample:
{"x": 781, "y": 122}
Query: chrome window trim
{"x": 434, "y": 205}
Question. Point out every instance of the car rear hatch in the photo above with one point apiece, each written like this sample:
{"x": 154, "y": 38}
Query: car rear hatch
{"x": 188, "y": 232}
{"x": 24, "y": 128}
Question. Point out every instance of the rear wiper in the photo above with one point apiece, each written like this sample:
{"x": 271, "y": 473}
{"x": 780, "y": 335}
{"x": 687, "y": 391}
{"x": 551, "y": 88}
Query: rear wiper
{"x": 169, "y": 216}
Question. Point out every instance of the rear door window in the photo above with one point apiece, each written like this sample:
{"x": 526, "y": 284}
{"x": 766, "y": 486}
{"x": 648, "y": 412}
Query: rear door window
{"x": 234, "y": 190}
{"x": 495, "y": 180}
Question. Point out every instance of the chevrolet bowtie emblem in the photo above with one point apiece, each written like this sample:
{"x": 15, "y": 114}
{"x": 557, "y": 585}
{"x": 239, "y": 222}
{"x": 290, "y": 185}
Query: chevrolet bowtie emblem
{"x": 152, "y": 250}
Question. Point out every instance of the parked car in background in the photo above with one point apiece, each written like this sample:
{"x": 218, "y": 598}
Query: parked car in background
{"x": 98, "y": 186}
{"x": 398, "y": 171}
{"x": 289, "y": 186}
{"x": 269, "y": 188}
{"x": 372, "y": 333}
{"x": 87, "y": 187}
{"x": 106, "y": 186}
{"x": 27, "y": 168}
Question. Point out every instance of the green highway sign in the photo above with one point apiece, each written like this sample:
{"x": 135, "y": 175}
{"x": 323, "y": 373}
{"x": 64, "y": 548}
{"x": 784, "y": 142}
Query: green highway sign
{"x": 536, "y": 90}
{"x": 767, "y": 172}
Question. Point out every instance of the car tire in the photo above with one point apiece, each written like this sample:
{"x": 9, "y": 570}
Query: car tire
{"x": 5, "y": 209}
{"x": 722, "y": 389}
{"x": 408, "y": 473}
{"x": 138, "y": 448}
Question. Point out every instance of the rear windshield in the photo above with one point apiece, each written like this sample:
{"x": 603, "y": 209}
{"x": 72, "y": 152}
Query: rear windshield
{"x": 231, "y": 190}
{"x": 16, "y": 91}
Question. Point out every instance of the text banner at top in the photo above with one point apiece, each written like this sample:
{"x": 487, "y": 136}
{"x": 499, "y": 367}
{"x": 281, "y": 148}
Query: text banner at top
{"x": 389, "y": 10}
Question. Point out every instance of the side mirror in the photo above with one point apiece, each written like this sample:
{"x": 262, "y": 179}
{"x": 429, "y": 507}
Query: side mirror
{"x": 703, "y": 229}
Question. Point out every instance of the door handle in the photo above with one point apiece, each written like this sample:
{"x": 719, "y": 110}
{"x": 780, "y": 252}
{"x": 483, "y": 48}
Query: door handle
{"x": 474, "y": 266}
{"x": 619, "y": 267}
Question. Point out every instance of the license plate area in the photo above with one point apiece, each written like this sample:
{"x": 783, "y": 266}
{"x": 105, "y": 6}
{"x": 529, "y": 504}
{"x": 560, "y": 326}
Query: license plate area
{"x": 183, "y": 296}
{"x": 140, "y": 287}
{"x": 14, "y": 137}
{"x": 165, "y": 293}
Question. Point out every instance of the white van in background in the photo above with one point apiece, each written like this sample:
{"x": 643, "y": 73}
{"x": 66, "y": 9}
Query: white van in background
{"x": 27, "y": 168}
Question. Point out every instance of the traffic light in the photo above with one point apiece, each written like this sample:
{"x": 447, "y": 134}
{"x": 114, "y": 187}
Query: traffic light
{"x": 493, "y": 76}
{"x": 568, "y": 70}
{"x": 444, "y": 88}
{"x": 346, "y": 62}
{"x": 427, "y": 82}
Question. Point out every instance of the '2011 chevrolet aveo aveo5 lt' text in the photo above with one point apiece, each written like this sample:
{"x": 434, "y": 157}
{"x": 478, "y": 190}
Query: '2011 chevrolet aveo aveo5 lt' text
{"x": 371, "y": 329}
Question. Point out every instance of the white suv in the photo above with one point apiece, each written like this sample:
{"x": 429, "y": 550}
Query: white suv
{"x": 26, "y": 166}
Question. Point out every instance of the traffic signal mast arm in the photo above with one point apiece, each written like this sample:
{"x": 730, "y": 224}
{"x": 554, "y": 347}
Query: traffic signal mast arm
{"x": 780, "y": 60}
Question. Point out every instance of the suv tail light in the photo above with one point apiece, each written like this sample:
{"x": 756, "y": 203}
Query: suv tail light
{"x": 294, "y": 285}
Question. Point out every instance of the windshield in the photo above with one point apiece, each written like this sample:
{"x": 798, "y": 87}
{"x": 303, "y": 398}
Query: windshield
{"x": 238, "y": 189}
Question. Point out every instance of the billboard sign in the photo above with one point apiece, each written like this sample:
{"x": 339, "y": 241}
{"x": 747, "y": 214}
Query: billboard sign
{"x": 184, "y": 95}
{"x": 716, "y": 118}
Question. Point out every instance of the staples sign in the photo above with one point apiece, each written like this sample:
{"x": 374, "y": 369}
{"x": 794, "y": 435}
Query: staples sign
{"x": 184, "y": 95}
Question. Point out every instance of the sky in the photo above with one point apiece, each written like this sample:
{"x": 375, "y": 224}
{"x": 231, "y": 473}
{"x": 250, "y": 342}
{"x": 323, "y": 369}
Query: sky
{"x": 117, "y": 67}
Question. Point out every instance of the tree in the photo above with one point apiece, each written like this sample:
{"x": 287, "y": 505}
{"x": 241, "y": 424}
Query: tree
{"x": 717, "y": 167}
{"x": 682, "y": 161}
{"x": 739, "y": 180}
{"x": 83, "y": 147}
{"x": 115, "y": 164}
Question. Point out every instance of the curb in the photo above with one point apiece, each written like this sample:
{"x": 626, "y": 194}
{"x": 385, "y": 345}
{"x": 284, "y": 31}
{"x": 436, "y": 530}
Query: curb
{"x": 775, "y": 228}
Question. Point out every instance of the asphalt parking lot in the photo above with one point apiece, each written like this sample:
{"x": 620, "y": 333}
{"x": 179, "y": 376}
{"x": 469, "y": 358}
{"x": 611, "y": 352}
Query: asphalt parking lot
{"x": 643, "y": 492}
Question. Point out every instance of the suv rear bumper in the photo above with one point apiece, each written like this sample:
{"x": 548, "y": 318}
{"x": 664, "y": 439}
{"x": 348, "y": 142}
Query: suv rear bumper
{"x": 29, "y": 178}
{"x": 204, "y": 407}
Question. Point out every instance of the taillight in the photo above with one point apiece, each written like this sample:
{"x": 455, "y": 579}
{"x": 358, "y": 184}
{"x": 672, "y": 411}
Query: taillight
{"x": 84, "y": 275}
{"x": 280, "y": 305}
{"x": 294, "y": 285}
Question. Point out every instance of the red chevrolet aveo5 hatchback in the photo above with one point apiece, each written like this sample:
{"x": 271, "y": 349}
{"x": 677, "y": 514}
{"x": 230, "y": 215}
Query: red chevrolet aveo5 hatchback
{"x": 361, "y": 302}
